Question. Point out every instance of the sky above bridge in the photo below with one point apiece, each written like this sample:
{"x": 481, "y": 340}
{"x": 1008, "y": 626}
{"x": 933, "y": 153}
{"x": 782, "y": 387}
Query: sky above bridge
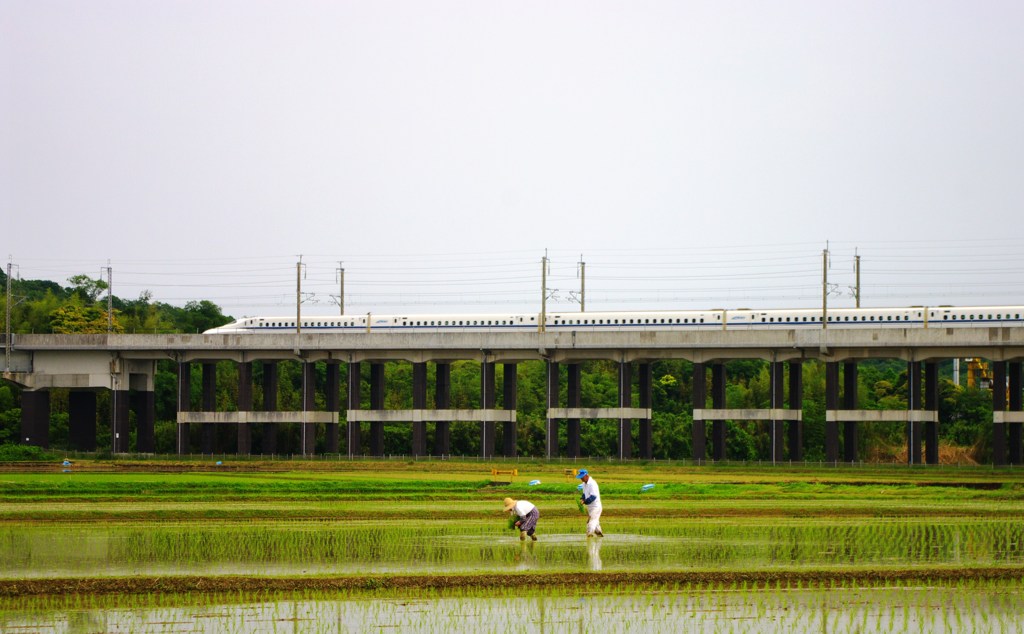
{"x": 692, "y": 154}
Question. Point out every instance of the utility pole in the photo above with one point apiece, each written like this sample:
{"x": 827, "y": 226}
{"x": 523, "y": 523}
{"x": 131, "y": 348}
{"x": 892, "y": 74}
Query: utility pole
{"x": 298, "y": 296}
{"x": 856, "y": 268}
{"x": 583, "y": 285}
{"x": 543, "y": 291}
{"x": 110, "y": 296}
{"x": 341, "y": 288}
{"x": 7, "y": 330}
{"x": 824, "y": 289}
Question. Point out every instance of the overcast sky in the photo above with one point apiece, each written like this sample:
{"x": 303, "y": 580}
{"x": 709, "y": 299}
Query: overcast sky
{"x": 693, "y": 154}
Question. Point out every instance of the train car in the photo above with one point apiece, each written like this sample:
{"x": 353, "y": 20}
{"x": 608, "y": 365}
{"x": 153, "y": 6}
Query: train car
{"x": 715, "y": 319}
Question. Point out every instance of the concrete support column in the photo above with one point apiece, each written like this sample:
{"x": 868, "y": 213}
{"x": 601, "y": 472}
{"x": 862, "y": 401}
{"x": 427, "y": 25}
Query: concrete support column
{"x": 1015, "y": 435}
{"x": 625, "y": 400}
{"x": 353, "y": 433}
{"x": 646, "y": 387}
{"x": 574, "y": 398}
{"x": 850, "y": 402}
{"x": 377, "y": 393}
{"x": 307, "y": 431}
{"x": 332, "y": 400}
{"x": 931, "y": 403}
{"x": 914, "y": 402}
{"x": 551, "y": 449}
{"x": 831, "y": 404}
{"x": 700, "y": 397}
{"x": 35, "y": 418}
{"x": 487, "y": 401}
{"x": 184, "y": 405}
{"x": 419, "y": 401}
{"x": 271, "y": 379}
{"x": 510, "y": 389}
{"x": 796, "y": 403}
{"x": 143, "y": 403}
{"x": 998, "y": 405}
{"x": 82, "y": 420}
{"x": 777, "y": 377}
{"x": 244, "y": 443}
{"x": 442, "y": 400}
{"x": 209, "y": 430}
{"x": 120, "y": 403}
{"x": 718, "y": 402}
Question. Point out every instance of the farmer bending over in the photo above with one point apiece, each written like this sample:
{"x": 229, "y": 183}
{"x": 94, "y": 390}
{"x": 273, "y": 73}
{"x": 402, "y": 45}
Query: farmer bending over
{"x": 591, "y": 498}
{"x": 527, "y": 515}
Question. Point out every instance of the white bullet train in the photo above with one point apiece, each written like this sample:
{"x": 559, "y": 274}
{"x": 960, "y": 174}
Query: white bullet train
{"x": 716, "y": 319}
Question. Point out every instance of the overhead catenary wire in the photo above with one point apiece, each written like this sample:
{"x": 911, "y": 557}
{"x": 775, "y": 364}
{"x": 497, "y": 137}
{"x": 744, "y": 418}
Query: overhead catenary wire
{"x": 702, "y": 276}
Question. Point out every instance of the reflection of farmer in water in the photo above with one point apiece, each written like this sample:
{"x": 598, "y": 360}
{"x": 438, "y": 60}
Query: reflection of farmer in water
{"x": 526, "y": 514}
{"x": 594, "y": 553}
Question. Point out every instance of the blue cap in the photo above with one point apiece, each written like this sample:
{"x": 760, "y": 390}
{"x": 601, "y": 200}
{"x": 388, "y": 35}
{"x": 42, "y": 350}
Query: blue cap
{"x": 582, "y": 473}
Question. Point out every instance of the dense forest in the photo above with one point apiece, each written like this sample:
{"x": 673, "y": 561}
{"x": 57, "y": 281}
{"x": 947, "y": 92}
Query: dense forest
{"x": 81, "y": 307}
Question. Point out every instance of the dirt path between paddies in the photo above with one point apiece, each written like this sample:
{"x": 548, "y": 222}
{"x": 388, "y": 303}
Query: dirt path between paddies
{"x": 580, "y": 581}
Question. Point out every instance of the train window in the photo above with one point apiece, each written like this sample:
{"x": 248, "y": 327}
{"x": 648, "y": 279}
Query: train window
{"x": 787, "y": 319}
{"x": 990, "y": 316}
{"x": 702, "y": 320}
{"x": 972, "y": 317}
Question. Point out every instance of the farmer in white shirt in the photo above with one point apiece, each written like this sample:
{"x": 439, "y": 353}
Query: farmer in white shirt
{"x": 591, "y": 497}
{"x": 527, "y": 515}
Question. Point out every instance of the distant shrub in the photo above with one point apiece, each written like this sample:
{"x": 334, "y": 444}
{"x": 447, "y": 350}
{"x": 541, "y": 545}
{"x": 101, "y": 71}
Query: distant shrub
{"x": 11, "y": 452}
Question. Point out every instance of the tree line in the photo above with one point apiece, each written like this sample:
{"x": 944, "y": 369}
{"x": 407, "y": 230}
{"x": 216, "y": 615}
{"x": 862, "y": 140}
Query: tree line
{"x": 41, "y": 306}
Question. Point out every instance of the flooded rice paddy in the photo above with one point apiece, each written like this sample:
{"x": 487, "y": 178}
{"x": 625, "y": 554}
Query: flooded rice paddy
{"x": 402, "y": 547}
{"x": 975, "y": 607}
{"x": 409, "y": 551}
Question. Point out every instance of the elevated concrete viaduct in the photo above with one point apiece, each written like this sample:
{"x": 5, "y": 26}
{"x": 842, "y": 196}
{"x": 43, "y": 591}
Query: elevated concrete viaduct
{"x": 126, "y": 365}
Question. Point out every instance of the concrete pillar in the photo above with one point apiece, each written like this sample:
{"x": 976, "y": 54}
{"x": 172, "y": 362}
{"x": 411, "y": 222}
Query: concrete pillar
{"x": 625, "y": 400}
{"x": 999, "y": 457}
{"x": 419, "y": 401}
{"x": 574, "y": 398}
{"x": 184, "y": 405}
{"x": 353, "y": 432}
{"x": 35, "y": 418}
{"x": 1015, "y": 397}
{"x": 699, "y": 433}
{"x": 914, "y": 402}
{"x": 332, "y": 400}
{"x": 551, "y": 450}
{"x": 120, "y": 403}
{"x": 82, "y": 420}
{"x": 510, "y": 390}
{"x": 931, "y": 404}
{"x": 831, "y": 405}
{"x": 307, "y": 431}
{"x": 244, "y": 445}
{"x": 442, "y": 400}
{"x": 645, "y": 380}
{"x": 796, "y": 403}
{"x": 777, "y": 378}
{"x": 144, "y": 406}
{"x": 718, "y": 379}
{"x": 271, "y": 379}
{"x": 850, "y": 402}
{"x": 121, "y": 421}
{"x": 209, "y": 430}
{"x": 377, "y": 393}
{"x": 487, "y": 401}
